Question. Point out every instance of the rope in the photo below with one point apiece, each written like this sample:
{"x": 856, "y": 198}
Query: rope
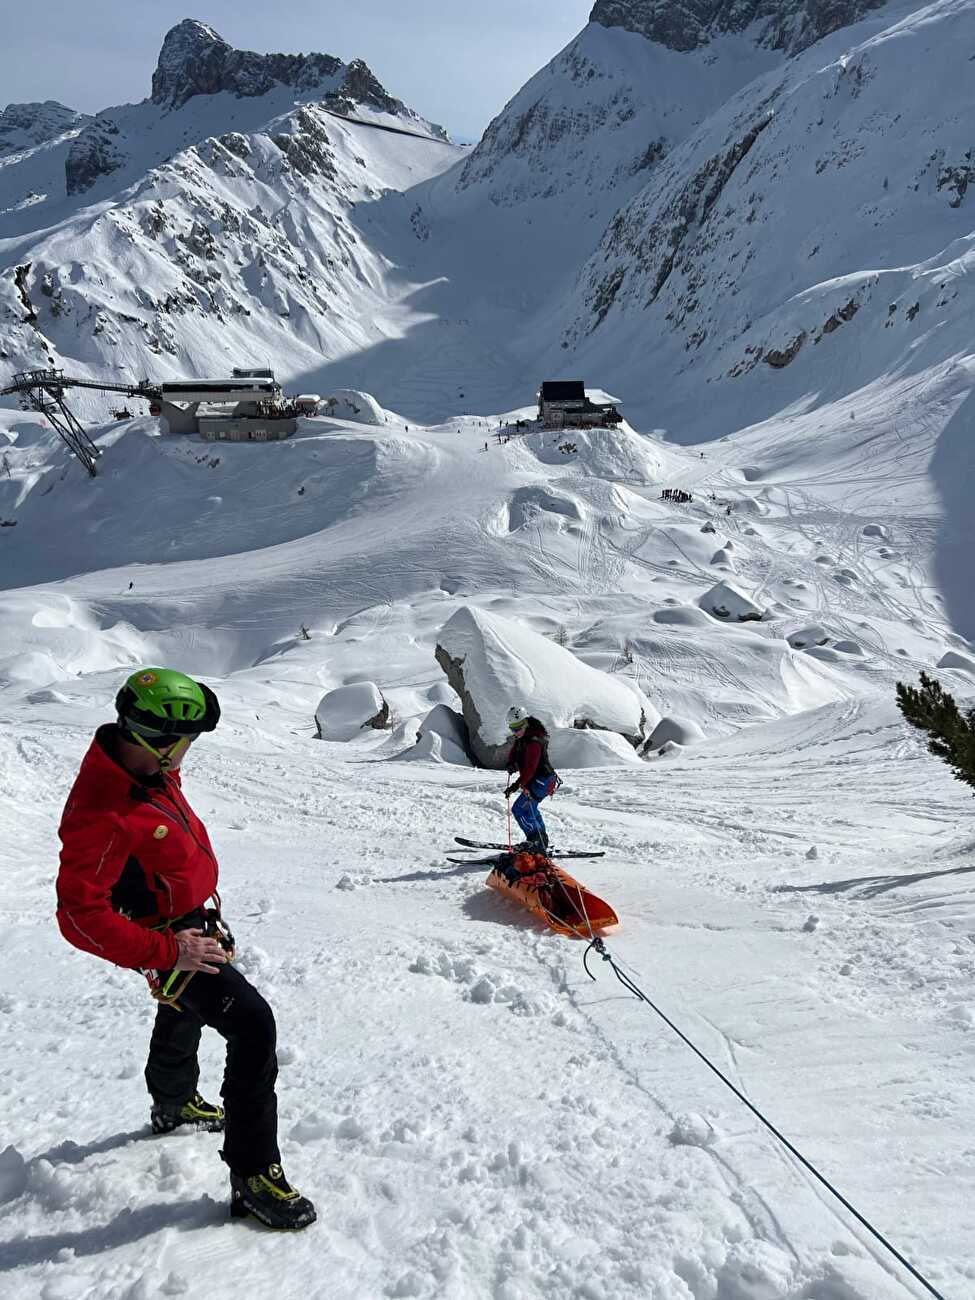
{"x": 637, "y": 992}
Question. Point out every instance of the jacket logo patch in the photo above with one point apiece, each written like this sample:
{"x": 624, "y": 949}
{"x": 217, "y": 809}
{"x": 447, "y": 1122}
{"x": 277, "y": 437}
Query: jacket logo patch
{"x": 160, "y": 832}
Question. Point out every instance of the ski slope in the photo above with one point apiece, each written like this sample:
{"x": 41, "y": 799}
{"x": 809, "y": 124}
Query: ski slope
{"x": 472, "y": 1115}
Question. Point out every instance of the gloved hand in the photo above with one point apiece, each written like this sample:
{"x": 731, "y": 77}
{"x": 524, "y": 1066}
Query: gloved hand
{"x": 509, "y": 790}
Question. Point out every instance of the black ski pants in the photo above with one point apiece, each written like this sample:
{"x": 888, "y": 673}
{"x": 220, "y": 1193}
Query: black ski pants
{"x": 231, "y": 1006}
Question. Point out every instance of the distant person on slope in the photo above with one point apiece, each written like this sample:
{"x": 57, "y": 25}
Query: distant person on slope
{"x": 137, "y": 872}
{"x": 536, "y": 777}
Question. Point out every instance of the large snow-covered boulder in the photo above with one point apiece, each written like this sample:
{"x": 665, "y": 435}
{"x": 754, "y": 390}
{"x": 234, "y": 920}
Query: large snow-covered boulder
{"x": 346, "y": 711}
{"x": 442, "y": 738}
{"x": 674, "y": 731}
{"x": 727, "y": 603}
{"x": 493, "y": 662}
{"x": 350, "y": 404}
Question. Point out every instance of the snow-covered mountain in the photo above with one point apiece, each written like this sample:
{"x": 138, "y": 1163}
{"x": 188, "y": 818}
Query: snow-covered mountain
{"x": 809, "y": 237}
{"x": 753, "y": 213}
{"x": 209, "y": 222}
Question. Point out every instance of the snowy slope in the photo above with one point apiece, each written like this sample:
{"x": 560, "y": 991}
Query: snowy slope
{"x": 836, "y": 986}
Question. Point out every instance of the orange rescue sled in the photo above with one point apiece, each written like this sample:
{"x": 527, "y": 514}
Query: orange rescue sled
{"x": 552, "y": 895}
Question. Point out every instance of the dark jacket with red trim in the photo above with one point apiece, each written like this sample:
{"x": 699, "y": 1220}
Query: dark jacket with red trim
{"x": 134, "y": 854}
{"x": 529, "y": 754}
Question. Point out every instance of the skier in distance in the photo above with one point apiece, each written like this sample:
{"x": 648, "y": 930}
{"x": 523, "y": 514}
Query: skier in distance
{"x": 536, "y": 777}
{"x": 137, "y": 872}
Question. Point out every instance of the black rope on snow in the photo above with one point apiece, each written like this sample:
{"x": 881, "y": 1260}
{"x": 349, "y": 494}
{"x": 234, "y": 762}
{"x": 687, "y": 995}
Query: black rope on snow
{"x": 628, "y": 984}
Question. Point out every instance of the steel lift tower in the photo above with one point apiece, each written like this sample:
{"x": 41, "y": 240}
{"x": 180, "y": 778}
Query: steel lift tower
{"x": 43, "y": 390}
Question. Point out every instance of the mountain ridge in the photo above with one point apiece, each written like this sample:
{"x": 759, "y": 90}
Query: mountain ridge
{"x": 787, "y": 25}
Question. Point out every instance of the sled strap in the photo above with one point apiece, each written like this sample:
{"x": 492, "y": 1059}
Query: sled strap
{"x": 600, "y": 947}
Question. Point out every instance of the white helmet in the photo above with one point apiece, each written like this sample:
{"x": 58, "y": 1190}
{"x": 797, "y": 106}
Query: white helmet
{"x": 517, "y": 718}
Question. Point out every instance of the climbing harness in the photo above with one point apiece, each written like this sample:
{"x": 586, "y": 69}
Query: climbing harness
{"x": 168, "y": 987}
{"x": 597, "y": 944}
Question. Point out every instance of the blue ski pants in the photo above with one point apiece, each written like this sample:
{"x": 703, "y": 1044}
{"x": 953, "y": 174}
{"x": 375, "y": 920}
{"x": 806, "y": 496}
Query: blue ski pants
{"x": 526, "y": 810}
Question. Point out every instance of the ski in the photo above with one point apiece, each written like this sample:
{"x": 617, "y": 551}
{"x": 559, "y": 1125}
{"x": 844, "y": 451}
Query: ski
{"x": 495, "y": 858}
{"x": 568, "y": 853}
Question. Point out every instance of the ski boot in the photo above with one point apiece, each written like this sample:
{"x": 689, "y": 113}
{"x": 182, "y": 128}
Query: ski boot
{"x": 270, "y": 1198}
{"x": 196, "y": 1112}
{"x": 535, "y": 844}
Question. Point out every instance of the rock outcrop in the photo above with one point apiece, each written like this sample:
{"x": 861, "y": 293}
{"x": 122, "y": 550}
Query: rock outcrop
{"x": 196, "y": 60}
{"x": 95, "y": 153}
{"x": 683, "y": 25}
{"x": 24, "y": 125}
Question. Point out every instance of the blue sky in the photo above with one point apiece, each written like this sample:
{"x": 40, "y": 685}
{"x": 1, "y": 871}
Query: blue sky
{"x": 455, "y": 61}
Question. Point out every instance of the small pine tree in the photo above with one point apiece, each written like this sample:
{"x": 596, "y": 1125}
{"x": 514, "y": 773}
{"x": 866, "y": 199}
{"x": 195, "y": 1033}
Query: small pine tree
{"x": 952, "y": 733}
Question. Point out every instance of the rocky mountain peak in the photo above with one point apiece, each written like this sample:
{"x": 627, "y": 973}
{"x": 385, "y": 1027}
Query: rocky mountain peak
{"x": 23, "y": 125}
{"x": 683, "y": 25}
{"x": 191, "y": 55}
{"x": 196, "y": 60}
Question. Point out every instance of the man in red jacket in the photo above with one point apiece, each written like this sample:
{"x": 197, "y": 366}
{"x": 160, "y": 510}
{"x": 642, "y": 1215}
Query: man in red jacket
{"x": 137, "y": 874}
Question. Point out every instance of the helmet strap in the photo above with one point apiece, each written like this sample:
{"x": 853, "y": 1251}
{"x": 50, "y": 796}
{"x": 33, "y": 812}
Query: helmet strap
{"x": 167, "y": 760}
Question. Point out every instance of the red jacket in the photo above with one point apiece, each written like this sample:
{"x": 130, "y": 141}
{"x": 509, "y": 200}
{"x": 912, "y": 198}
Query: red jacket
{"x": 134, "y": 855}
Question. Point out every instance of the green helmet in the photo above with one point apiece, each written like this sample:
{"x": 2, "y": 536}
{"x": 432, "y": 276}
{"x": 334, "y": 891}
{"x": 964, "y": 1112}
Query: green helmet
{"x": 157, "y": 702}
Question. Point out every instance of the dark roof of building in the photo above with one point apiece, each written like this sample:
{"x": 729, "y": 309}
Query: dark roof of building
{"x": 564, "y": 390}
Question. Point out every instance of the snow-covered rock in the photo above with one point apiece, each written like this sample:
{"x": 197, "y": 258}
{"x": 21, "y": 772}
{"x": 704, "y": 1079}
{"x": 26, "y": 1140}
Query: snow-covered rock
{"x": 350, "y": 404}
{"x": 725, "y": 602}
{"x": 804, "y": 637}
{"x": 570, "y": 748}
{"x": 961, "y": 663}
{"x": 441, "y": 738}
{"x": 681, "y": 731}
{"x": 493, "y": 662}
{"x": 345, "y": 712}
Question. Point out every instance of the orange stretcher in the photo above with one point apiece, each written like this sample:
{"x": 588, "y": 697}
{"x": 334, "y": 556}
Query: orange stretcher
{"x": 551, "y": 894}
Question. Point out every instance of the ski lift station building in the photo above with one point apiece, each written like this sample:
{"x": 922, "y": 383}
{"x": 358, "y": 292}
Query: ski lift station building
{"x": 246, "y": 407}
{"x": 564, "y": 404}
